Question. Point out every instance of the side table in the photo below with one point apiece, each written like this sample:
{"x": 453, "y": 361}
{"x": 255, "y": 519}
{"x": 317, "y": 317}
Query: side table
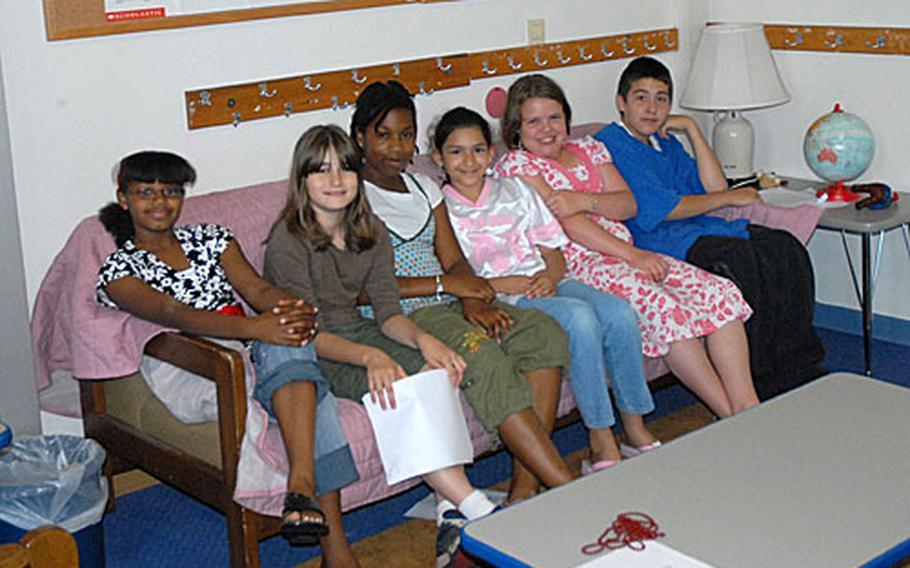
{"x": 865, "y": 223}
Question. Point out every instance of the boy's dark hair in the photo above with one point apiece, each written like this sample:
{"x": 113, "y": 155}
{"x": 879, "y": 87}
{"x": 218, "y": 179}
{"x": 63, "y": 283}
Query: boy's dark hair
{"x": 460, "y": 117}
{"x": 376, "y": 102}
{"x": 644, "y": 67}
{"x": 361, "y": 229}
{"x": 530, "y": 87}
{"x": 143, "y": 167}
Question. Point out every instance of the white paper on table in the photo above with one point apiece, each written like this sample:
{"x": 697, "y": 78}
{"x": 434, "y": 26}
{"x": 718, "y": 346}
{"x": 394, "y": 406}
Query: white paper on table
{"x": 655, "y": 555}
{"x": 425, "y": 432}
{"x": 782, "y": 197}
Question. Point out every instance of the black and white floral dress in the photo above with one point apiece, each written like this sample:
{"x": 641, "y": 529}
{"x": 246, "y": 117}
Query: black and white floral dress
{"x": 204, "y": 285}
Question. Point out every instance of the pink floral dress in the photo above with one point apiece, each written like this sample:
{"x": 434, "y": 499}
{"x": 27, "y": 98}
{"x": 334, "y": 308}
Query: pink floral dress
{"x": 689, "y": 303}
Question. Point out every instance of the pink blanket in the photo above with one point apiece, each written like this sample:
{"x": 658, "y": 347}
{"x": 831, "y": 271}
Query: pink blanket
{"x": 800, "y": 221}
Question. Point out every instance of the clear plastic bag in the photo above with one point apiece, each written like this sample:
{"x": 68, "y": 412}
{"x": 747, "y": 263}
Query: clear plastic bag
{"x": 52, "y": 480}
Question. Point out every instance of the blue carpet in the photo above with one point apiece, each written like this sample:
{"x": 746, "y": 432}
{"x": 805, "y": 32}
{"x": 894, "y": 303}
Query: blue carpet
{"x": 890, "y": 361}
{"x": 157, "y": 526}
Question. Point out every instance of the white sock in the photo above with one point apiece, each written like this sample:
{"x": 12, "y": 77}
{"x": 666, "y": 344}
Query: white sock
{"x": 476, "y": 505}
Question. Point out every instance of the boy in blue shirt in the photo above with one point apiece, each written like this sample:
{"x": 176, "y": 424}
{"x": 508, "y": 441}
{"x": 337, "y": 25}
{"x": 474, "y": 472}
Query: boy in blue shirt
{"x": 675, "y": 195}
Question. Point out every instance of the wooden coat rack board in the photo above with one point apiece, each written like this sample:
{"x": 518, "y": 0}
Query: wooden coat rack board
{"x": 336, "y": 89}
{"x": 839, "y": 39}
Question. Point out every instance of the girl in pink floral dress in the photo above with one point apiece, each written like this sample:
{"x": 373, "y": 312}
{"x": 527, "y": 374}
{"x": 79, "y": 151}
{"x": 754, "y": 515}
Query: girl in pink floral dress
{"x": 677, "y": 303}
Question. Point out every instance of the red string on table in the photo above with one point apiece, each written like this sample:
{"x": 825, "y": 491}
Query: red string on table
{"x": 629, "y": 529}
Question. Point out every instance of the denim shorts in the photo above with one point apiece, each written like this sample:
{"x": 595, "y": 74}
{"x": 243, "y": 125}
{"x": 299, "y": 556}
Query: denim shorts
{"x": 277, "y": 366}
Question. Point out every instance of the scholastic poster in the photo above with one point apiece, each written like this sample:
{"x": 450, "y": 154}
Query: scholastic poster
{"x": 123, "y": 10}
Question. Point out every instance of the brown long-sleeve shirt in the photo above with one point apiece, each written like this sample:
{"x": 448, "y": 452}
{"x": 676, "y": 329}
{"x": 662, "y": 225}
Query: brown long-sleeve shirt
{"x": 333, "y": 279}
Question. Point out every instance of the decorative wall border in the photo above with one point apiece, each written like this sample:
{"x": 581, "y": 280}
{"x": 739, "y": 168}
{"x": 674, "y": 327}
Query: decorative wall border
{"x": 336, "y": 89}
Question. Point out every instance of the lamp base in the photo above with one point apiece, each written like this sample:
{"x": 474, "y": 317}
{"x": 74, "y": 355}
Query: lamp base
{"x": 734, "y": 142}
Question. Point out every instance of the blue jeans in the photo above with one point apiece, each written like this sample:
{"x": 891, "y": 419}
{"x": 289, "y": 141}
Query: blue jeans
{"x": 279, "y": 365}
{"x": 603, "y": 336}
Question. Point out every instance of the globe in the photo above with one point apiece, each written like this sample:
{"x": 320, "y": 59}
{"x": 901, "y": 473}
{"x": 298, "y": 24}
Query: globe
{"x": 839, "y": 146}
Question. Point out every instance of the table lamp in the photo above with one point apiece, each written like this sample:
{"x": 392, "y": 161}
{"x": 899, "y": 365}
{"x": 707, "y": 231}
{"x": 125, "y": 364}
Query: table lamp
{"x": 733, "y": 70}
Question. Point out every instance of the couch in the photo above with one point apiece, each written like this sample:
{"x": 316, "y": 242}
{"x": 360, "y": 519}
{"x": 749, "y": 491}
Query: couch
{"x": 122, "y": 414}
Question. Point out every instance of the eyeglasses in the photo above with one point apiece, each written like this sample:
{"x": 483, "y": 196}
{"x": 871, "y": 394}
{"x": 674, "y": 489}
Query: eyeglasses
{"x": 151, "y": 193}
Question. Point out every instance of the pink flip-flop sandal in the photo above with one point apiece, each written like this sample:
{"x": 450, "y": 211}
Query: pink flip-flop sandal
{"x": 632, "y": 451}
{"x": 587, "y": 468}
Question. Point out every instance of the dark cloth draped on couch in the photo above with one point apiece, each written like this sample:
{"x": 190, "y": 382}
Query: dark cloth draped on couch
{"x": 775, "y": 275}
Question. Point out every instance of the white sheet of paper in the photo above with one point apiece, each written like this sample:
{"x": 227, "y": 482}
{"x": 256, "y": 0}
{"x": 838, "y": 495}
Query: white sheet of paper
{"x": 795, "y": 197}
{"x": 425, "y": 432}
{"x": 655, "y": 555}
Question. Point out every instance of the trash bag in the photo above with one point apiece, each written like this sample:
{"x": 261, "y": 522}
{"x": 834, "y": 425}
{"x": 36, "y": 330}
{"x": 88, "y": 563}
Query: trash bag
{"x": 52, "y": 480}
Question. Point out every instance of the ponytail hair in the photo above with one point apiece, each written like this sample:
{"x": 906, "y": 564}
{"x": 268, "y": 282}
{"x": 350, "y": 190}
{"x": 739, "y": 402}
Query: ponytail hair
{"x": 118, "y": 222}
{"x": 147, "y": 166}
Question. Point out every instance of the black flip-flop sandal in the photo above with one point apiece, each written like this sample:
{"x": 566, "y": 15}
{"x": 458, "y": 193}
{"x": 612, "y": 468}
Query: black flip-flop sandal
{"x": 302, "y": 532}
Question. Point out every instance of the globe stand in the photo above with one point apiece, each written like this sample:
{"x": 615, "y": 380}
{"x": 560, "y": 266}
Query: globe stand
{"x": 838, "y": 192}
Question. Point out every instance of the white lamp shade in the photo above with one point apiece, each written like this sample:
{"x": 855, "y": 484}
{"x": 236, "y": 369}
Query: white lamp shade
{"x": 733, "y": 70}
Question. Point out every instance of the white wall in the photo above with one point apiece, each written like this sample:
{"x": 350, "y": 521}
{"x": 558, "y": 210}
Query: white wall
{"x": 18, "y": 399}
{"x": 873, "y": 87}
{"x": 75, "y": 107}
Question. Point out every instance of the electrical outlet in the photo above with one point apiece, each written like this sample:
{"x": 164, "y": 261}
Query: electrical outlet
{"x": 536, "y": 31}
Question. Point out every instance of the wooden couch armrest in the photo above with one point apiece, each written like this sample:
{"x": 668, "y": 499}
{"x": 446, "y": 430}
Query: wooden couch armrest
{"x": 223, "y": 366}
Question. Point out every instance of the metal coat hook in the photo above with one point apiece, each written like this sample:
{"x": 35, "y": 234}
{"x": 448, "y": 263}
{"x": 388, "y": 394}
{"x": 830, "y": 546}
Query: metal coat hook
{"x": 487, "y": 69}
{"x": 603, "y": 50}
{"x": 288, "y": 108}
{"x": 512, "y": 64}
{"x": 264, "y": 91}
{"x": 561, "y": 58}
{"x": 339, "y": 106}
{"x": 879, "y": 42}
{"x": 205, "y": 98}
{"x": 646, "y": 42}
{"x": 447, "y": 69}
{"x": 584, "y": 55}
{"x": 834, "y": 39}
{"x": 396, "y": 70}
{"x": 356, "y": 78}
{"x": 422, "y": 90}
{"x": 309, "y": 86}
{"x": 667, "y": 42}
{"x": 235, "y": 119}
{"x": 796, "y": 41}
{"x": 625, "y": 45}
{"x": 537, "y": 59}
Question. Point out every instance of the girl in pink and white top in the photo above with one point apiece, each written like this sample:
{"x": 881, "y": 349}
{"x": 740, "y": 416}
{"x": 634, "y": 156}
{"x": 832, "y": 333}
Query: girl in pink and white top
{"x": 677, "y": 303}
